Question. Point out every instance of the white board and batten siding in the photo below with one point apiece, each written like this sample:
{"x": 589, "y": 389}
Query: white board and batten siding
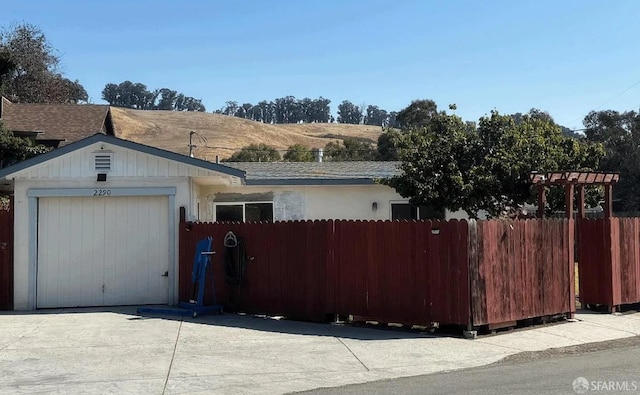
{"x": 80, "y": 242}
{"x": 125, "y": 163}
{"x": 102, "y": 252}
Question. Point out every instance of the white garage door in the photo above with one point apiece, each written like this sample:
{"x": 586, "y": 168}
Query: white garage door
{"x": 102, "y": 251}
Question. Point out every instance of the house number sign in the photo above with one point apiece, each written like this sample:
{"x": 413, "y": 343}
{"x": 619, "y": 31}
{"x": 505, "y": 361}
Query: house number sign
{"x": 102, "y": 192}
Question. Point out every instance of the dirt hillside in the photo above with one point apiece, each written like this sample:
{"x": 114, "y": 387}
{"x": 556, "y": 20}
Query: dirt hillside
{"x": 223, "y": 135}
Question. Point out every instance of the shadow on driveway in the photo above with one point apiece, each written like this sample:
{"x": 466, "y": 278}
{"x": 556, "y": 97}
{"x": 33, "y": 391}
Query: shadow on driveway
{"x": 257, "y": 323}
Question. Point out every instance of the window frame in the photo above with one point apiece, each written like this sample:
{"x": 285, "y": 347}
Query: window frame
{"x": 244, "y": 208}
{"x": 406, "y": 202}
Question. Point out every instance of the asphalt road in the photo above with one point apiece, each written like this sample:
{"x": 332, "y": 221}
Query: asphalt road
{"x": 608, "y": 367}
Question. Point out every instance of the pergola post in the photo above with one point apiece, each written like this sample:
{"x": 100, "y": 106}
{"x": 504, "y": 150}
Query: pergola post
{"x": 568, "y": 199}
{"x": 608, "y": 201}
{"x": 542, "y": 200}
{"x": 581, "y": 213}
{"x": 570, "y": 180}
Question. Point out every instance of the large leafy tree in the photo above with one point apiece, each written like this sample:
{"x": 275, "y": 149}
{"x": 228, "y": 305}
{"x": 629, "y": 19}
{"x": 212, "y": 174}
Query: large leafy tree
{"x": 417, "y": 114}
{"x": 349, "y": 113}
{"x": 512, "y": 150}
{"x": 255, "y": 153}
{"x": 376, "y": 116}
{"x": 136, "y": 95}
{"x": 167, "y": 99}
{"x": 29, "y": 69}
{"x": 620, "y": 135}
{"x": 448, "y": 165}
{"x": 440, "y": 162}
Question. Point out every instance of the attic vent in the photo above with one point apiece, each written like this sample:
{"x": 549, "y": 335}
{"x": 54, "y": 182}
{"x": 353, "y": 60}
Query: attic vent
{"x": 103, "y": 161}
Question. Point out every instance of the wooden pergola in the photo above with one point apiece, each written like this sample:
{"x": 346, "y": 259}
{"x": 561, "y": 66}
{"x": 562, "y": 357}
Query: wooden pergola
{"x": 574, "y": 180}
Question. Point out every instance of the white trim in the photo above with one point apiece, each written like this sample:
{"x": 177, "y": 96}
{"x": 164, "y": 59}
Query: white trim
{"x": 33, "y": 251}
{"x": 244, "y": 210}
{"x": 35, "y": 193}
{"x": 91, "y": 192}
{"x": 173, "y": 273}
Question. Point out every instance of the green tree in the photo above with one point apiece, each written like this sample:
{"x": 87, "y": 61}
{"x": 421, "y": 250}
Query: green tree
{"x": 449, "y": 166}
{"x": 376, "y": 116}
{"x": 417, "y": 114}
{"x": 349, "y": 113}
{"x": 29, "y": 69}
{"x": 511, "y": 151}
{"x": 167, "y": 99}
{"x": 231, "y": 108}
{"x": 298, "y": 153}
{"x": 255, "y": 153}
{"x": 388, "y": 144}
{"x": 136, "y": 95}
{"x": 620, "y": 135}
{"x": 351, "y": 149}
{"x": 439, "y": 165}
{"x": 15, "y": 149}
{"x": 321, "y": 110}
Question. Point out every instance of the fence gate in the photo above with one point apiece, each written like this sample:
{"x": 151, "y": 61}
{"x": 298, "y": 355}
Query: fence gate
{"x": 6, "y": 256}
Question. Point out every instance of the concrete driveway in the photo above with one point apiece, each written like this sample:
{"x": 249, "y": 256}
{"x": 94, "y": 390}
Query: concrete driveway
{"x": 116, "y": 351}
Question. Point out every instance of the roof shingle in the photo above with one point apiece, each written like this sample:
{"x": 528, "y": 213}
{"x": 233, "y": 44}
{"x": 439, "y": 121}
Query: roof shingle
{"x": 65, "y": 122}
{"x": 314, "y": 172}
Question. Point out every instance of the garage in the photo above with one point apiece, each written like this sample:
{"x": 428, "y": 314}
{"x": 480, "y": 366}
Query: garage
{"x": 102, "y": 251}
{"x": 96, "y": 222}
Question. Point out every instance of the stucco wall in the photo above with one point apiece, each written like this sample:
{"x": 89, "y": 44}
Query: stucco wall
{"x": 310, "y": 202}
{"x": 307, "y": 202}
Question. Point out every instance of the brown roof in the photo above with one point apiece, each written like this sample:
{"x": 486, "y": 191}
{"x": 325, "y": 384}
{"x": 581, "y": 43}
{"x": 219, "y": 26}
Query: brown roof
{"x": 64, "y": 122}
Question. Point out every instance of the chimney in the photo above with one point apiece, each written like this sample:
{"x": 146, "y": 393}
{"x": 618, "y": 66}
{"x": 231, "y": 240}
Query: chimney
{"x": 319, "y": 155}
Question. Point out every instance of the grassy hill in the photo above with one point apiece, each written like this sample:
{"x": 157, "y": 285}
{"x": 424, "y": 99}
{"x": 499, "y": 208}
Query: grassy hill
{"x": 224, "y": 134}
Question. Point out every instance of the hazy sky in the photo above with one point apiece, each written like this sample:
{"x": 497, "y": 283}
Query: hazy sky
{"x": 566, "y": 57}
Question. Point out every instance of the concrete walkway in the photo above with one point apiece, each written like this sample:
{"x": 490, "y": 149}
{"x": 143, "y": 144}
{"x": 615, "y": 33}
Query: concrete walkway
{"x": 116, "y": 351}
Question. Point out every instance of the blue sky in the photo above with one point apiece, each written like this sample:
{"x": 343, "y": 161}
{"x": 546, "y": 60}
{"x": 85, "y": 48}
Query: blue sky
{"x": 566, "y": 57}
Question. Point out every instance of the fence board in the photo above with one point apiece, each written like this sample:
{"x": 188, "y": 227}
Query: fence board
{"x": 394, "y": 271}
{"x": 607, "y": 261}
{"x": 535, "y": 286}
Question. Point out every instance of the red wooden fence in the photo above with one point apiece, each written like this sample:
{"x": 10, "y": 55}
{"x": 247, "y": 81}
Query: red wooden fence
{"x": 405, "y": 272}
{"x": 286, "y": 273}
{"x": 609, "y": 261}
{"x": 6, "y": 257}
{"x": 628, "y": 237}
{"x": 402, "y": 272}
{"x": 521, "y": 269}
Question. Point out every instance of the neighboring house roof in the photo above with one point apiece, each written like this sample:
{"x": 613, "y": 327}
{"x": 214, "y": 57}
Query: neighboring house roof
{"x": 65, "y": 123}
{"x": 97, "y": 138}
{"x": 316, "y": 173}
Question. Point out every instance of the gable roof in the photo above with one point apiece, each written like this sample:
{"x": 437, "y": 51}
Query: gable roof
{"x": 316, "y": 173}
{"x": 62, "y": 122}
{"x": 101, "y": 138}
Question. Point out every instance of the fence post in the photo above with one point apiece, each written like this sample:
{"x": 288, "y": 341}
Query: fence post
{"x": 472, "y": 273}
{"x": 570, "y": 234}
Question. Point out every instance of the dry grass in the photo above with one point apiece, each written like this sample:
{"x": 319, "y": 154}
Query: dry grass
{"x": 170, "y": 130}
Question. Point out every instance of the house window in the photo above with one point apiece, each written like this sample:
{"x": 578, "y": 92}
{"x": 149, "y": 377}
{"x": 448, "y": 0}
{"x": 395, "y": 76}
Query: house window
{"x": 244, "y": 212}
{"x": 405, "y": 210}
